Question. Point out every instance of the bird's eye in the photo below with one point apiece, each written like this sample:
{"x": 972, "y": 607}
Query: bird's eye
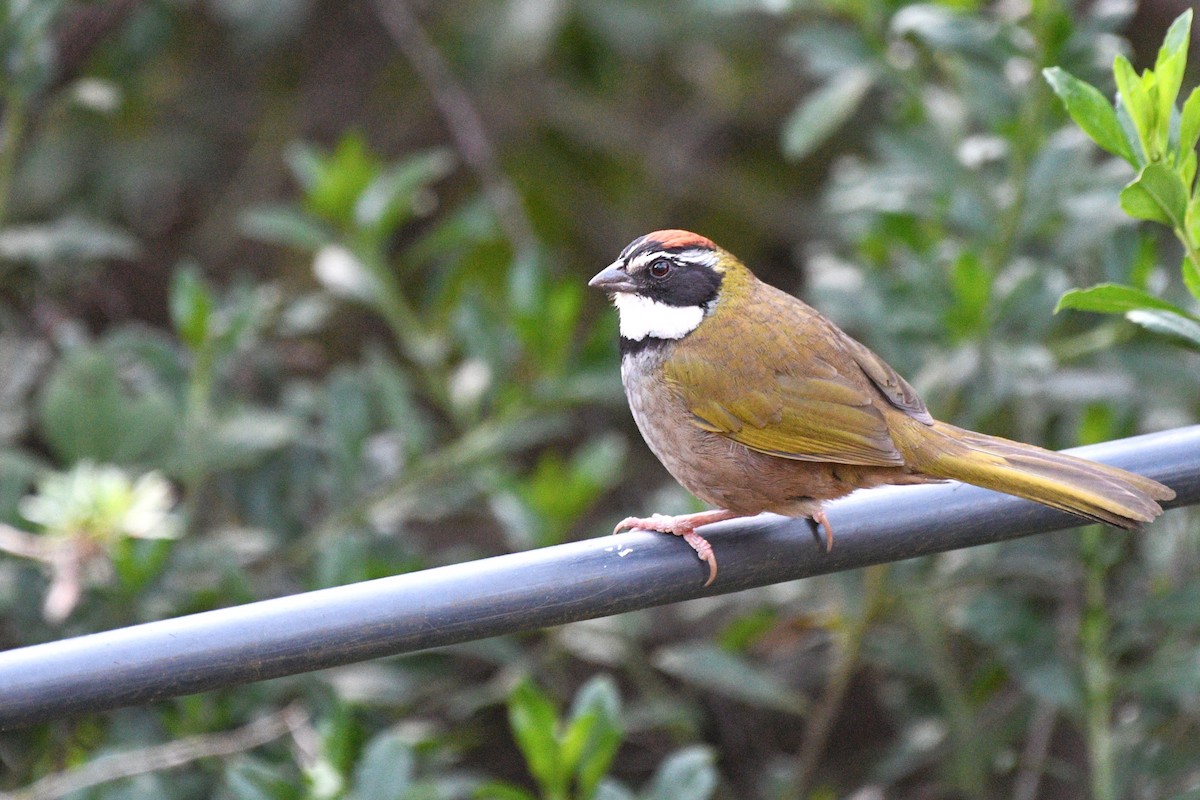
{"x": 660, "y": 268}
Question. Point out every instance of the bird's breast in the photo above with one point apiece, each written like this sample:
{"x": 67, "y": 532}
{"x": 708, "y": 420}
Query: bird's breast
{"x": 716, "y": 469}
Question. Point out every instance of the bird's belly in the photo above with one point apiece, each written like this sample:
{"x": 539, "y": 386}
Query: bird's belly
{"x": 717, "y": 469}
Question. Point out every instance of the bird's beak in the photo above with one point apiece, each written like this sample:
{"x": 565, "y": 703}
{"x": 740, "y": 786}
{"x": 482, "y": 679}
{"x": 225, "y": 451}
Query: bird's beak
{"x": 613, "y": 279}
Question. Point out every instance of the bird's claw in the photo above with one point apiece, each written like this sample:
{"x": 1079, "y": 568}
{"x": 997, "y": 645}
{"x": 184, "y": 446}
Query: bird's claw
{"x": 822, "y": 520}
{"x": 655, "y": 522}
{"x": 663, "y": 523}
{"x": 704, "y": 552}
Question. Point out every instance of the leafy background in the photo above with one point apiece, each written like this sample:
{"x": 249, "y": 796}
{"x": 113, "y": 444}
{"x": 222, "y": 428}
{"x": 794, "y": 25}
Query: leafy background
{"x": 292, "y": 295}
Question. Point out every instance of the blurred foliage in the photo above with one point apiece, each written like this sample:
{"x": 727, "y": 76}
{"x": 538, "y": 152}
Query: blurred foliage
{"x": 242, "y": 251}
{"x": 1159, "y": 141}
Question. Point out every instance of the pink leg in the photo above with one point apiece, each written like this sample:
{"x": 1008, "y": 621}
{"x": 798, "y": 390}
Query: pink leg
{"x": 820, "y": 518}
{"x": 683, "y": 525}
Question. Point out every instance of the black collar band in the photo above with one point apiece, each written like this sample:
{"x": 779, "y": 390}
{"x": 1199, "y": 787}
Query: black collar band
{"x": 631, "y": 347}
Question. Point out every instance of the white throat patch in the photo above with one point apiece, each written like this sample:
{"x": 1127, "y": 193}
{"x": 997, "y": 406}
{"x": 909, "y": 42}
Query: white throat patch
{"x": 642, "y": 317}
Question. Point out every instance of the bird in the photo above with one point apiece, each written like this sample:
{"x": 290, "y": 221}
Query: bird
{"x": 754, "y": 401}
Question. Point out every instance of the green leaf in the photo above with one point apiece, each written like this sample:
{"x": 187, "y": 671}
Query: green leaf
{"x": 1193, "y": 219}
{"x": 496, "y": 790}
{"x": 599, "y": 693}
{"x": 1111, "y": 298}
{"x": 1168, "y": 72}
{"x": 712, "y": 668}
{"x": 341, "y": 178}
{"x": 1187, "y": 169}
{"x": 249, "y": 778}
{"x": 1091, "y": 112}
{"x": 588, "y": 748}
{"x": 68, "y": 239}
{"x": 971, "y": 282}
{"x": 86, "y": 412}
{"x": 1166, "y": 89}
{"x": 940, "y": 27}
{"x": 395, "y": 398}
{"x": 285, "y": 226}
{"x": 1144, "y": 258}
{"x": 557, "y": 492}
{"x": 527, "y": 285}
{"x": 687, "y": 774}
{"x": 392, "y": 196}
{"x": 1191, "y": 277}
{"x": 594, "y": 734}
{"x": 385, "y": 770}
{"x": 1136, "y": 101}
{"x": 305, "y": 162}
{"x": 824, "y": 111}
{"x": 534, "y": 723}
{"x": 348, "y": 420}
{"x": 579, "y": 731}
{"x": 1158, "y": 195}
{"x": 1168, "y": 323}
{"x": 191, "y": 303}
{"x": 611, "y": 790}
{"x": 1176, "y": 39}
{"x": 1130, "y": 133}
{"x": 137, "y": 561}
{"x": 1189, "y": 123}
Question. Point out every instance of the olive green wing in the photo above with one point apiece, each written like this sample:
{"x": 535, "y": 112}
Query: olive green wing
{"x": 894, "y": 389}
{"x": 803, "y": 389}
{"x": 809, "y": 414}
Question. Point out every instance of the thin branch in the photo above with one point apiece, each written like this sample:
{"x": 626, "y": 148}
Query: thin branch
{"x": 462, "y": 118}
{"x": 164, "y": 756}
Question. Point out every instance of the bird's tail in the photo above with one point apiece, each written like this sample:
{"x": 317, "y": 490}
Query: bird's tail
{"x": 1087, "y": 488}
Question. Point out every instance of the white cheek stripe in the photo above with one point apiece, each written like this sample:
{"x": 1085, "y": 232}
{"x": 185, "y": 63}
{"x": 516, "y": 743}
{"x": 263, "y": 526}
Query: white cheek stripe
{"x": 696, "y": 258}
{"x": 642, "y": 317}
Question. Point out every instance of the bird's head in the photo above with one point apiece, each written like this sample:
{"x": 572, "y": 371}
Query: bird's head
{"x": 666, "y": 283}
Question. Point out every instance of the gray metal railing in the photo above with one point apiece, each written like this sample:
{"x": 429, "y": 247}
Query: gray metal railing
{"x": 535, "y": 589}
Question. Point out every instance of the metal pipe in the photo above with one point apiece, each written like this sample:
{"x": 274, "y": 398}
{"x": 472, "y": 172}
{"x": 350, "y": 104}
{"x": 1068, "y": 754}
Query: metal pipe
{"x": 535, "y": 589}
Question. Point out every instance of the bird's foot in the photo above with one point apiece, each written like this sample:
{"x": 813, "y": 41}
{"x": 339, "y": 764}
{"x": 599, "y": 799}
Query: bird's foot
{"x": 683, "y": 526}
{"x": 822, "y": 520}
